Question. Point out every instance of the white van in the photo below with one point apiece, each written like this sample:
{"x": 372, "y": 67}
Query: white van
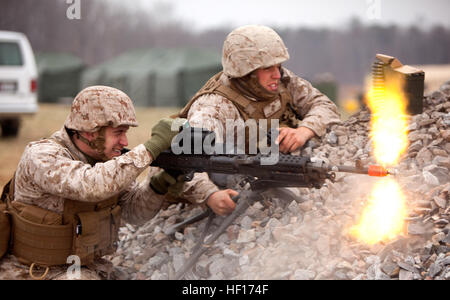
{"x": 18, "y": 81}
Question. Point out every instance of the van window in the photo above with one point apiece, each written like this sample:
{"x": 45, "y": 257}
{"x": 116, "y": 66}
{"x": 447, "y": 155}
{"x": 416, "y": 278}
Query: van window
{"x": 10, "y": 54}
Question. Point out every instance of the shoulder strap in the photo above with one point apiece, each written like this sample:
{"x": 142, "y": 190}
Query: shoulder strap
{"x": 214, "y": 86}
{"x": 236, "y": 98}
{"x": 208, "y": 88}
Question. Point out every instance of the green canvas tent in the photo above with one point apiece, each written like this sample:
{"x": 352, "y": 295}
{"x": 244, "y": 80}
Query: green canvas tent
{"x": 156, "y": 76}
{"x": 59, "y": 75}
{"x": 327, "y": 85}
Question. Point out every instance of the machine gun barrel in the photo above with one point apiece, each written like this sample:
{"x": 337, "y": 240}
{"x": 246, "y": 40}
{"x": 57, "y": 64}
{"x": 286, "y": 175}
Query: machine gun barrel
{"x": 371, "y": 170}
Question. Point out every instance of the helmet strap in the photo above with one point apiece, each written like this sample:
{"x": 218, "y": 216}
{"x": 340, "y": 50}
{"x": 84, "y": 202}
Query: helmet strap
{"x": 97, "y": 144}
{"x": 249, "y": 86}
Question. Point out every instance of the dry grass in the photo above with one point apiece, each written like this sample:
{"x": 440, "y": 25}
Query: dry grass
{"x": 50, "y": 118}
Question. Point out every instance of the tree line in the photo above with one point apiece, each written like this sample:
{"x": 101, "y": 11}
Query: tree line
{"x": 106, "y": 30}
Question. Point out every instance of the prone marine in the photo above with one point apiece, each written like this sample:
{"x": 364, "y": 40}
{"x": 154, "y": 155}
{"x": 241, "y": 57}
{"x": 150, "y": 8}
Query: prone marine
{"x": 70, "y": 191}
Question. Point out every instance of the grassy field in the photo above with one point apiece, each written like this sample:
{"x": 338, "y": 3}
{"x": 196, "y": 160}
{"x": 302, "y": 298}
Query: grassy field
{"x": 50, "y": 118}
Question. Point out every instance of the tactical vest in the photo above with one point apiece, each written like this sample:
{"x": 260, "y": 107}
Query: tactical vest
{"x": 40, "y": 236}
{"x": 280, "y": 108}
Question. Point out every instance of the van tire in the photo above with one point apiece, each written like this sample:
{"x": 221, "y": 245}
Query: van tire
{"x": 10, "y": 127}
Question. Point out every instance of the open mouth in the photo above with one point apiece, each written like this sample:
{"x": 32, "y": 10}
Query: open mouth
{"x": 117, "y": 152}
{"x": 273, "y": 87}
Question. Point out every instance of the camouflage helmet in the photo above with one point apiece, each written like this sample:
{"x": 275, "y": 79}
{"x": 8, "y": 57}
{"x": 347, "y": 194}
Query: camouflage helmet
{"x": 251, "y": 47}
{"x": 98, "y": 106}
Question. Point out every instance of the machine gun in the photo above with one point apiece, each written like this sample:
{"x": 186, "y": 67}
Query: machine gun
{"x": 289, "y": 171}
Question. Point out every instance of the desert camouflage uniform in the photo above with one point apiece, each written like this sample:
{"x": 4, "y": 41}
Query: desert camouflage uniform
{"x": 211, "y": 112}
{"x": 246, "y": 49}
{"x": 54, "y": 169}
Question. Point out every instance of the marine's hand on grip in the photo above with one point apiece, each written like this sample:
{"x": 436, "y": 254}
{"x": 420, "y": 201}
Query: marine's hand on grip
{"x": 221, "y": 203}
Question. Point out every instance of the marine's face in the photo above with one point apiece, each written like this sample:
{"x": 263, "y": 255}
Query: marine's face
{"x": 269, "y": 77}
{"x": 115, "y": 140}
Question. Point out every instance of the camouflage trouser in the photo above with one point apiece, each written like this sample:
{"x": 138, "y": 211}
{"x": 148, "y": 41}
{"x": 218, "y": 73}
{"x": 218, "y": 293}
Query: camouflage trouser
{"x": 12, "y": 269}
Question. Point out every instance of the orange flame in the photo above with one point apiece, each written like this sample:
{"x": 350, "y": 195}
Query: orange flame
{"x": 389, "y": 123}
{"x": 383, "y": 217}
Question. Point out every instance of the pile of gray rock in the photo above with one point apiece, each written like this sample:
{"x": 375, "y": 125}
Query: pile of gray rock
{"x": 306, "y": 236}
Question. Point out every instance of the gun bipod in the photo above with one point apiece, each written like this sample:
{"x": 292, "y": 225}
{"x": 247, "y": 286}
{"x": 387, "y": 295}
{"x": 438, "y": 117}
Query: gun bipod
{"x": 245, "y": 199}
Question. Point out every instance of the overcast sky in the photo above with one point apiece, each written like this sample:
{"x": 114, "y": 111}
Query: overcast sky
{"x": 207, "y": 14}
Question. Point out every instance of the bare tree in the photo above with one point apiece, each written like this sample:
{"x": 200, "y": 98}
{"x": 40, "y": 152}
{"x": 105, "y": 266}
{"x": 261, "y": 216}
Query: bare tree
{"x": 106, "y": 30}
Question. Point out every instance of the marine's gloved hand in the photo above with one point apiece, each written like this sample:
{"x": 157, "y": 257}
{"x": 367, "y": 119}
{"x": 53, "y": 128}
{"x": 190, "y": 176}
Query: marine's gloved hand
{"x": 163, "y": 182}
{"x": 162, "y": 136}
